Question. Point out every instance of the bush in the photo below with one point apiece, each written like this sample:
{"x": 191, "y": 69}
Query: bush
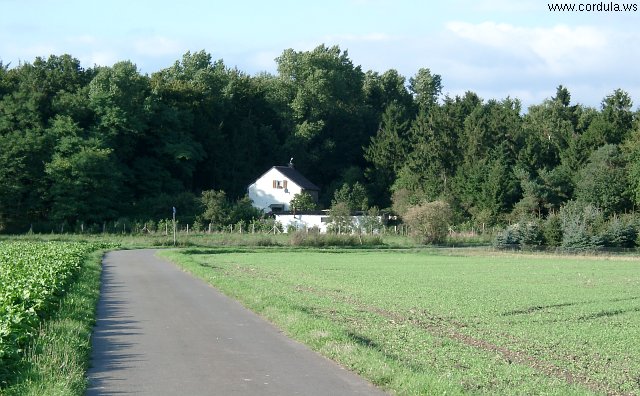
{"x": 340, "y": 219}
{"x": 582, "y": 226}
{"x": 429, "y": 222}
{"x": 620, "y": 233}
{"x": 508, "y": 238}
{"x": 552, "y": 230}
{"x": 525, "y": 234}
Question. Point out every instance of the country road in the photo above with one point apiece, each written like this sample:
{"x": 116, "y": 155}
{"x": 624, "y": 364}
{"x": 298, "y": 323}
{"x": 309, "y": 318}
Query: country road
{"x": 160, "y": 331}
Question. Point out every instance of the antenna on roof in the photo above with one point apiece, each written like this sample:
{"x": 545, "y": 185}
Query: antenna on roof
{"x": 291, "y": 163}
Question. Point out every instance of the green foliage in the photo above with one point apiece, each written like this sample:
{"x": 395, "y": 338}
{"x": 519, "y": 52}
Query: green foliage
{"x": 216, "y": 207}
{"x": 340, "y": 218}
{"x": 429, "y": 222}
{"x": 90, "y": 146}
{"x": 525, "y": 234}
{"x": 426, "y": 87}
{"x": 33, "y": 276}
{"x": 56, "y": 360}
{"x": 243, "y": 211}
{"x": 602, "y": 182}
{"x": 582, "y": 226}
{"x": 552, "y": 230}
{"x": 314, "y": 239}
{"x": 302, "y": 202}
{"x": 353, "y": 197}
{"x": 220, "y": 212}
{"x": 621, "y": 232}
{"x": 402, "y": 199}
{"x": 371, "y": 221}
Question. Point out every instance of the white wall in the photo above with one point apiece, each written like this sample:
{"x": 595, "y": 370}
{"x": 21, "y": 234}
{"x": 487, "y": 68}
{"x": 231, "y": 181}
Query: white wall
{"x": 263, "y": 194}
{"x": 301, "y": 221}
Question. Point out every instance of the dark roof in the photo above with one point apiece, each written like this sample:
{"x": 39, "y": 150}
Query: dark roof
{"x": 296, "y": 177}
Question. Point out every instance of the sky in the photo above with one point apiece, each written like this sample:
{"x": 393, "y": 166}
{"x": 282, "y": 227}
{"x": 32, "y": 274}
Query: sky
{"x": 495, "y": 48}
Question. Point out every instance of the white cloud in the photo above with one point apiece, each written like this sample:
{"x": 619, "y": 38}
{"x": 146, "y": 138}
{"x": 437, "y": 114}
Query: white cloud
{"x": 559, "y": 50}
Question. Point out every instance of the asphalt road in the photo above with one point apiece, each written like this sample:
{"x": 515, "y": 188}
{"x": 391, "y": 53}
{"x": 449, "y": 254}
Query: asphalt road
{"x": 162, "y": 332}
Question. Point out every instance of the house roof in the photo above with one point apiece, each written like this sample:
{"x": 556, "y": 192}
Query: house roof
{"x": 296, "y": 177}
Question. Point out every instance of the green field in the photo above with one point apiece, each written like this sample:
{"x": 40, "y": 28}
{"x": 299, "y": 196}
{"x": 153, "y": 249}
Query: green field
{"x": 441, "y": 321}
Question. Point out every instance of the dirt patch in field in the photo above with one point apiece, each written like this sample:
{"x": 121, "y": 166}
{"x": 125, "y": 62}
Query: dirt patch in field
{"x": 448, "y": 328}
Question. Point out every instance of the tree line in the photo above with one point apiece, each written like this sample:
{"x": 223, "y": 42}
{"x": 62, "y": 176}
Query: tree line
{"x": 106, "y": 143}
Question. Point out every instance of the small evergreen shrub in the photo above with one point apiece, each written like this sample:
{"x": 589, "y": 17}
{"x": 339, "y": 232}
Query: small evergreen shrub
{"x": 552, "y": 230}
{"x": 525, "y": 234}
{"x": 582, "y": 227}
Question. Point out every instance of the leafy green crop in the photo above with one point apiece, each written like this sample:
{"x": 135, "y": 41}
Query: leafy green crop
{"x": 33, "y": 275}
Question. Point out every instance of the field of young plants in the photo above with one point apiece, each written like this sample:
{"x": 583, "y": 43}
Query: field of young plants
{"x": 33, "y": 276}
{"x": 434, "y": 321}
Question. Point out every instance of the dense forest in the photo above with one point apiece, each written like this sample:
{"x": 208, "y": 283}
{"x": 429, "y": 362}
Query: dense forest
{"x": 105, "y": 143}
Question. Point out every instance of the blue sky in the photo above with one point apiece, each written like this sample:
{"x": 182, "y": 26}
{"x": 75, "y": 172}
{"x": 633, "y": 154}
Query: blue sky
{"x": 495, "y": 48}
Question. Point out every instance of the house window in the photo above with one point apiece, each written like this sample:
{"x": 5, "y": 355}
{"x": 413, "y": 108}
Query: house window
{"x": 280, "y": 184}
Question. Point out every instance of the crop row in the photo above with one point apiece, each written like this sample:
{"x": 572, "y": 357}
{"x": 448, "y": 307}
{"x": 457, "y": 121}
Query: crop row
{"x": 33, "y": 276}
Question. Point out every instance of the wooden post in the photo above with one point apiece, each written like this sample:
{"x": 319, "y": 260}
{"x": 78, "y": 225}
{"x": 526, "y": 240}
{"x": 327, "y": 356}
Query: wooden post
{"x": 187, "y": 228}
{"x": 174, "y": 226}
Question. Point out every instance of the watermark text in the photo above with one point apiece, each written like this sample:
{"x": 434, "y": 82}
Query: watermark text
{"x": 593, "y": 7}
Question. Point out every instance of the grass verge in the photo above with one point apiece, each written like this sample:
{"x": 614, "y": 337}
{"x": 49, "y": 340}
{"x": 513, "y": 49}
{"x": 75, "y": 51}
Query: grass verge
{"x": 57, "y": 360}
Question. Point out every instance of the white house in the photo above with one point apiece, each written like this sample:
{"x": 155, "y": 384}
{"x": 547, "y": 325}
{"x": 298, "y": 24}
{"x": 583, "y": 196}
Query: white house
{"x": 273, "y": 191}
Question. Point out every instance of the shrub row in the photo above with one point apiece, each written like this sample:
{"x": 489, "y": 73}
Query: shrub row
{"x": 314, "y": 239}
{"x": 576, "y": 227}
